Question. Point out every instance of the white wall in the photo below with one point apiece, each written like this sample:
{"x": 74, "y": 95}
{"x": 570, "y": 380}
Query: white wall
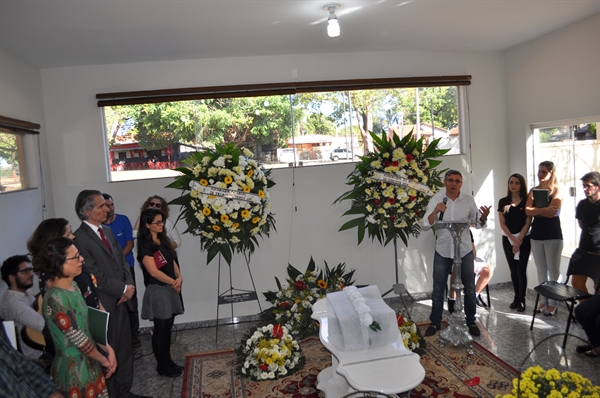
{"x": 21, "y": 98}
{"x": 77, "y": 162}
{"x": 552, "y": 78}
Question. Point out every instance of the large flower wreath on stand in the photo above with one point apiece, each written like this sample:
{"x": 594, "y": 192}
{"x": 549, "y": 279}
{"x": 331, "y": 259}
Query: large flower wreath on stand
{"x": 293, "y": 301}
{"x": 268, "y": 353}
{"x": 392, "y": 187}
{"x": 225, "y": 200}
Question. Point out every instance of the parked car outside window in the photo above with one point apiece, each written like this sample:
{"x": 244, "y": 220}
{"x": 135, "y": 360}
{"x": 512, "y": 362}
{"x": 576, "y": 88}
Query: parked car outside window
{"x": 341, "y": 153}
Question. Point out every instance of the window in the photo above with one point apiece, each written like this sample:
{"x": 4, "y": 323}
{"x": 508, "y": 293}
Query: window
{"x": 13, "y": 170}
{"x": 316, "y": 127}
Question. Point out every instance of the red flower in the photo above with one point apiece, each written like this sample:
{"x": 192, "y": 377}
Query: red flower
{"x": 74, "y": 393}
{"x": 400, "y": 320}
{"x": 285, "y": 304}
{"x": 392, "y": 218}
{"x": 412, "y": 198}
{"x": 411, "y": 177}
{"x": 277, "y": 331}
{"x": 300, "y": 285}
{"x": 387, "y": 164}
{"x": 391, "y": 201}
{"x": 417, "y": 212}
{"x": 263, "y": 367}
{"x": 409, "y": 157}
{"x": 90, "y": 391}
{"x": 376, "y": 201}
{"x": 63, "y": 321}
{"x": 395, "y": 163}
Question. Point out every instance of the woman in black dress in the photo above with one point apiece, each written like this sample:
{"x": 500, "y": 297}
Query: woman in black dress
{"x": 515, "y": 226}
{"x": 162, "y": 298}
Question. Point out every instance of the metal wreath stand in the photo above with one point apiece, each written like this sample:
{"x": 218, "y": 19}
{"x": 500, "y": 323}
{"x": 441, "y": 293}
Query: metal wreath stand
{"x": 232, "y": 295}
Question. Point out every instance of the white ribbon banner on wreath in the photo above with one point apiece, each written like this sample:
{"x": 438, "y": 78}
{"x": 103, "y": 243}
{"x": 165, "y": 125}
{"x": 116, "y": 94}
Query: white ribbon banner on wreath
{"x": 392, "y": 179}
{"x": 226, "y": 193}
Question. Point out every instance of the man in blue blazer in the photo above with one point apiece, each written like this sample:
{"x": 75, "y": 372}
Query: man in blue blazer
{"x": 104, "y": 258}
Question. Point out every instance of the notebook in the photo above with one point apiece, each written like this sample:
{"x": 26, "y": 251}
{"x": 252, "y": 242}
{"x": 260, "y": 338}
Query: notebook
{"x": 98, "y": 321}
{"x": 541, "y": 198}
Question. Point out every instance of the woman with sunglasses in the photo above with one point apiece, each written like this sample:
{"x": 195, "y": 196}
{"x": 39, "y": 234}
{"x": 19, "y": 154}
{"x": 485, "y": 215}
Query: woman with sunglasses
{"x": 77, "y": 367}
{"x": 162, "y": 297}
{"x": 160, "y": 203}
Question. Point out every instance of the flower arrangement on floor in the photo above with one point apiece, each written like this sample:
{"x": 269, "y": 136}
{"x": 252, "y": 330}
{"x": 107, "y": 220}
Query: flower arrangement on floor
{"x": 268, "y": 353}
{"x": 411, "y": 335}
{"x": 537, "y": 382}
{"x": 225, "y": 200}
{"x": 292, "y": 302}
{"x": 392, "y": 187}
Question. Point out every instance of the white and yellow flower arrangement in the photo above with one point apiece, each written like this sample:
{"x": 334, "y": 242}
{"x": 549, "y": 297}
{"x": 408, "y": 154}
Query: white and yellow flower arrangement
{"x": 268, "y": 353}
{"x": 225, "y": 200}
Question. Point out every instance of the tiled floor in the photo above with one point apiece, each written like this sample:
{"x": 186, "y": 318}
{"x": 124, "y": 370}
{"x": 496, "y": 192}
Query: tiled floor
{"x": 505, "y": 332}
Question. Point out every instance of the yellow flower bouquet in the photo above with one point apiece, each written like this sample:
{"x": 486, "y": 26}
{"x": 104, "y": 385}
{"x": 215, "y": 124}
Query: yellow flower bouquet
{"x": 537, "y": 382}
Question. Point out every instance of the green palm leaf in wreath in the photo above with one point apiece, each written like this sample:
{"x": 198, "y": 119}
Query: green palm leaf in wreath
{"x": 391, "y": 188}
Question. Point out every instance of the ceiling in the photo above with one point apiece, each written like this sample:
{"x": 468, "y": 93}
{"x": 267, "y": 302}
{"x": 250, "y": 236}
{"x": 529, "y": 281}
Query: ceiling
{"x": 51, "y": 33}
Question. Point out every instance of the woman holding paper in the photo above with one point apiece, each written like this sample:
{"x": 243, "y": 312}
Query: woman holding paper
{"x": 162, "y": 298}
{"x": 546, "y": 233}
{"x": 516, "y": 243}
{"x": 77, "y": 367}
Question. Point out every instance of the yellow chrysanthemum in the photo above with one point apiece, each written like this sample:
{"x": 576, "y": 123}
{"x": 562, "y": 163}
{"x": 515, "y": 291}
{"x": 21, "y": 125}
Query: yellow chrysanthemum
{"x": 322, "y": 284}
{"x": 250, "y": 173}
{"x": 235, "y": 225}
{"x": 224, "y": 218}
{"x": 206, "y": 211}
{"x": 245, "y": 213}
{"x": 255, "y": 220}
{"x": 203, "y": 182}
{"x": 216, "y": 228}
{"x": 261, "y": 194}
{"x": 246, "y": 188}
{"x": 228, "y": 180}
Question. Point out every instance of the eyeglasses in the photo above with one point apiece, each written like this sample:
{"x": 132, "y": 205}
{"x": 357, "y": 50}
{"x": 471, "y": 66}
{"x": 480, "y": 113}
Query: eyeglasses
{"x": 25, "y": 270}
{"x": 154, "y": 204}
{"x": 76, "y": 257}
{"x": 452, "y": 180}
{"x": 588, "y": 186}
{"x": 161, "y": 222}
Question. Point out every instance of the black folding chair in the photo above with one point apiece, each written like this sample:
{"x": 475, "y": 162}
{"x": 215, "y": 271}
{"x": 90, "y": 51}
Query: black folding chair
{"x": 581, "y": 263}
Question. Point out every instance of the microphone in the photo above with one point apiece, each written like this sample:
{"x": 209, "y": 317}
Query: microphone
{"x": 445, "y": 200}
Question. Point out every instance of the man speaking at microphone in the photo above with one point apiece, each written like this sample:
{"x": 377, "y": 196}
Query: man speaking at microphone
{"x": 453, "y": 205}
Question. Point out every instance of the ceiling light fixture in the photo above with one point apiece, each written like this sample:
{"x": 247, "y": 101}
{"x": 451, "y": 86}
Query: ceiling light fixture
{"x": 333, "y": 25}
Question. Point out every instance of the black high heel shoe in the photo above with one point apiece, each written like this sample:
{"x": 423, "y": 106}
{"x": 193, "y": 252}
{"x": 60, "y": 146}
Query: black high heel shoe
{"x": 169, "y": 373}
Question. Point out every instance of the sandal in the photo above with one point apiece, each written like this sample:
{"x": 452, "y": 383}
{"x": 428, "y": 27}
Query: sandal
{"x": 592, "y": 353}
{"x": 541, "y": 308}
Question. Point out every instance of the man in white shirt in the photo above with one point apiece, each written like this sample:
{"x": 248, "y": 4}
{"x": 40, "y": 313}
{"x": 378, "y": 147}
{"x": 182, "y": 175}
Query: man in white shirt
{"x": 17, "y": 302}
{"x": 455, "y": 206}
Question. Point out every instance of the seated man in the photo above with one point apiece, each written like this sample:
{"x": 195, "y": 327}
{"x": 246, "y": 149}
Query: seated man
{"x": 483, "y": 272}
{"x": 17, "y": 302}
{"x": 588, "y": 315}
{"x": 19, "y": 378}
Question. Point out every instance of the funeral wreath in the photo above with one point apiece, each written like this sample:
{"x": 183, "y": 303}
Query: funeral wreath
{"x": 391, "y": 188}
{"x": 225, "y": 200}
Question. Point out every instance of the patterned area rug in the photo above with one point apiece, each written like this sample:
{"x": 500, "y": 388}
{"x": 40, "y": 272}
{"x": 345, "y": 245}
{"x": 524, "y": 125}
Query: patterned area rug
{"x": 450, "y": 372}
